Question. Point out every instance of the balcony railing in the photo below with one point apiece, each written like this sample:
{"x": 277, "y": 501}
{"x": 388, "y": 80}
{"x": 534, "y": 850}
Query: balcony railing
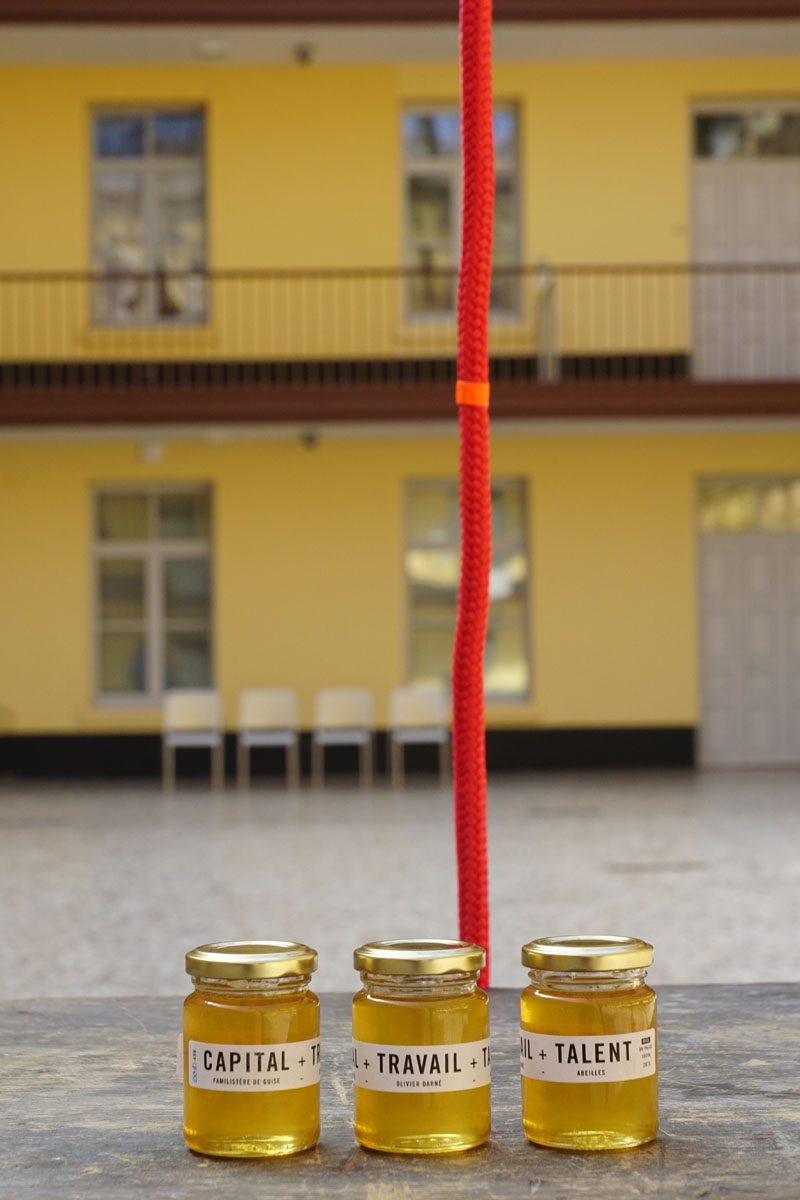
{"x": 259, "y": 327}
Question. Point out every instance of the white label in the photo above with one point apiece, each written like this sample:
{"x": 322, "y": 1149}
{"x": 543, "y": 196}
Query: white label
{"x": 274, "y": 1068}
{"x": 417, "y": 1069}
{"x": 563, "y": 1058}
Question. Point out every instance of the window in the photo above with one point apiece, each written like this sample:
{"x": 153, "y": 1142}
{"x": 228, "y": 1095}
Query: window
{"x": 748, "y": 506}
{"x": 152, "y": 590}
{"x": 149, "y": 216}
{"x": 749, "y": 132}
{"x": 432, "y": 573}
{"x": 432, "y": 197}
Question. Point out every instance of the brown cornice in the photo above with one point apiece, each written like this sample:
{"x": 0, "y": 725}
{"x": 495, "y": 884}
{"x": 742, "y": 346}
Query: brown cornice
{"x": 292, "y": 12}
{"x": 366, "y": 404}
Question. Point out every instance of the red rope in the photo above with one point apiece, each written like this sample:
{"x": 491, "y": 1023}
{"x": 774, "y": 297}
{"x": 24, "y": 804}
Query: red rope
{"x": 469, "y": 737}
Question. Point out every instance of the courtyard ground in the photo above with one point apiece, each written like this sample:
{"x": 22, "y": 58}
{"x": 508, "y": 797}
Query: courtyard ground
{"x": 105, "y": 887}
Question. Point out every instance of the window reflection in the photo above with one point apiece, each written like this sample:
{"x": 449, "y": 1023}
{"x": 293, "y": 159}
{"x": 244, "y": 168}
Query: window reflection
{"x": 437, "y": 568}
{"x": 153, "y": 591}
{"x": 432, "y": 567}
{"x": 431, "y": 134}
{"x": 432, "y": 151}
{"x": 122, "y": 516}
{"x": 187, "y": 587}
{"x": 431, "y": 657}
{"x": 122, "y": 662}
{"x": 506, "y": 669}
{"x": 178, "y": 133}
{"x": 122, "y": 588}
{"x": 432, "y": 515}
{"x": 148, "y": 216}
{"x": 184, "y": 515}
{"x": 507, "y": 578}
{"x": 768, "y": 132}
{"x": 188, "y": 660}
{"x": 770, "y": 506}
{"x": 119, "y": 136}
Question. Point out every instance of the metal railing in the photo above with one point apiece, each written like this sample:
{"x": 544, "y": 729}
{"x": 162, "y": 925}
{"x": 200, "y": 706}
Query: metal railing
{"x": 549, "y": 323}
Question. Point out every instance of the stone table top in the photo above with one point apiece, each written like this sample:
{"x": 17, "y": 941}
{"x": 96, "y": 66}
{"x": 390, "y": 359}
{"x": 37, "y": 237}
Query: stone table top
{"x": 92, "y": 1108}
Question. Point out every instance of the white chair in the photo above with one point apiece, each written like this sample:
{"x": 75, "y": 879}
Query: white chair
{"x": 418, "y": 716}
{"x": 192, "y": 718}
{"x": 342, "y": 717}
{"x": 268, "y": 717}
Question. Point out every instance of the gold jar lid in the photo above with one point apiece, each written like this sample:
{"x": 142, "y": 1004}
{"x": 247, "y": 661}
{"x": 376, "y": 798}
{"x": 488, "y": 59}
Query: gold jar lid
{"x": 250, "y": 960}
{"x": 424, "y": 957}
{"x": 587, "y": 952}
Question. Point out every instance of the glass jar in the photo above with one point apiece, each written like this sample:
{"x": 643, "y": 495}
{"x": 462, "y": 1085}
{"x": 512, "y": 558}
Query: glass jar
{"x": 251, "y": 1049}
{"x": 588, "y": 1043}
{"x": 421, "y": 1047}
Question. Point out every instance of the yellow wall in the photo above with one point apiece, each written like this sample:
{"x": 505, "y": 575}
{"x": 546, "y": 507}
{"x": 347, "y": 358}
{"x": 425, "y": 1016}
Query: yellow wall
{"x": 304, "y": 163}
{"x": 304, "y": 170}
{"x": 296, "y": 161}
{"x": 309, "y": 576}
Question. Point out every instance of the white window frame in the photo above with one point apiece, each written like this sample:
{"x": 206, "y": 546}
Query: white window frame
{"x": 149, "y": 166}
{"x": 452, "y": 167}
{"x": 453, "y": 543}
{"x": 153, "y": 551}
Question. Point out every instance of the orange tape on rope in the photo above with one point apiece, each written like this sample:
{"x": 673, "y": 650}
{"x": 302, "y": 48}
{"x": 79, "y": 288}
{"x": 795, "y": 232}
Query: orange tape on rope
{"x": 472, "y": 393}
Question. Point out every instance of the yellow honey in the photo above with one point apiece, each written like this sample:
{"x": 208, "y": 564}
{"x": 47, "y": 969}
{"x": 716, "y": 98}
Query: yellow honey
{"x": 251, "y": 1049}
{"x": 421, "y": 1056}
{"x": 588, "y": 1050}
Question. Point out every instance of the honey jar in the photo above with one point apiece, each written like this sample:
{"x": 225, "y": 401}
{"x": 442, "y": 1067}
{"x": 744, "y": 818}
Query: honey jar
{"x": 421, "y": 1057}
{"x": 588, "y": 1043}
{"x": 251, "y": 1049}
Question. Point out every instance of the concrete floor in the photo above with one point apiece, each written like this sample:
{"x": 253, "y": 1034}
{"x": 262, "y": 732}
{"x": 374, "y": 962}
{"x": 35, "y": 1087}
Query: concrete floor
{"x": 104, "y": 888}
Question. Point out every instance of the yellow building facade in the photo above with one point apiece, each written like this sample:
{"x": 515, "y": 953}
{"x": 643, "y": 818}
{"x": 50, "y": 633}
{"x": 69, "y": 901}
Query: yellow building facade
{"x": 308, "y": 535}
{"x": 308, "y": 565}
{"x": 304, "y": 163}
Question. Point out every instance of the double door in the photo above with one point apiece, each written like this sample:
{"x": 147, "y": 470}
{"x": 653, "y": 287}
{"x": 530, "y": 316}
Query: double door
{"x": 746, "y": 286}
{"x": 750, "y": 648}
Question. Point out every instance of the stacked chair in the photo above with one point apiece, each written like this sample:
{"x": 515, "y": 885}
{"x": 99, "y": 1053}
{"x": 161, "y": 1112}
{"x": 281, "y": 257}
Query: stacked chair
{"x": 418, "y": 716}
{"x": 343, "y": 716}
{"x": 190, "y": 719}
{"x": 268, "y": 717}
